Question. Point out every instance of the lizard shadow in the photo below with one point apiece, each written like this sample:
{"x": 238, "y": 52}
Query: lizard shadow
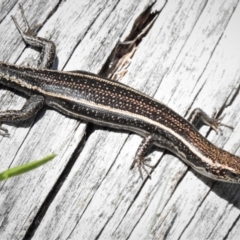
{"x": 55, "y": 63}
{"x": 228, "y": 191}
{"x": 225, "y": 190}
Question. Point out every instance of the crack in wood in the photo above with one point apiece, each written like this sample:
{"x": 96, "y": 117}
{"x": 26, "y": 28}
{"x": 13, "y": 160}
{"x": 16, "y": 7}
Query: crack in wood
{"x": 120, "y": 58}
{"x": 122, "y": 52}
{"x": 54, "y": 191}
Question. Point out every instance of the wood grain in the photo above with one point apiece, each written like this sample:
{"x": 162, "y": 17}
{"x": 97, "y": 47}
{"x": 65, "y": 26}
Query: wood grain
{"x": 189, "y": 58}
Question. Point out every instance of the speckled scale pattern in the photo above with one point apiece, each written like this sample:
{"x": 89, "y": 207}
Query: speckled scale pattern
{"x": 92, "y": 98}
{"x": 82, "y": 85}
{"x": 115, "y": 95}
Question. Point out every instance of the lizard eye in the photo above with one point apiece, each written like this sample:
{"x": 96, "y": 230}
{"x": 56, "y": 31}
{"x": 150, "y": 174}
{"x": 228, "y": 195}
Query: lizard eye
{"x": 234, "y": 175}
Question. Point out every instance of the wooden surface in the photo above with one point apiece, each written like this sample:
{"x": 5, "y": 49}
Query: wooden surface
{"x": 189, "y": 58}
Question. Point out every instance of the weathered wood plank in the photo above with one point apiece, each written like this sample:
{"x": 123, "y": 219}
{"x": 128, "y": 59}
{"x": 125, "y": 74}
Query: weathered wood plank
{"x": 5, "y": 7}
{"x": 116, "y": 211}
{"x": 46, "y": 133}
{"x": 189, "y": 58}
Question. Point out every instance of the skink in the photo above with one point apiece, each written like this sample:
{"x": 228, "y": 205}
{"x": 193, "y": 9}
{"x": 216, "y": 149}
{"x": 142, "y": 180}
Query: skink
{"x": 92, "y": 98}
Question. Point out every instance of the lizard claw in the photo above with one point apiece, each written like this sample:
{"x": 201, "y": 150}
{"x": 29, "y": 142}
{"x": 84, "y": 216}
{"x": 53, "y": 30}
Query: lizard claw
{"x": 141, "y": 165}
{"x": 216, "y": 123}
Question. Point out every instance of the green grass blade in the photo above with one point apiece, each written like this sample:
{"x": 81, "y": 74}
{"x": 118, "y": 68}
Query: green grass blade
{"x": 25, "y": 167}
